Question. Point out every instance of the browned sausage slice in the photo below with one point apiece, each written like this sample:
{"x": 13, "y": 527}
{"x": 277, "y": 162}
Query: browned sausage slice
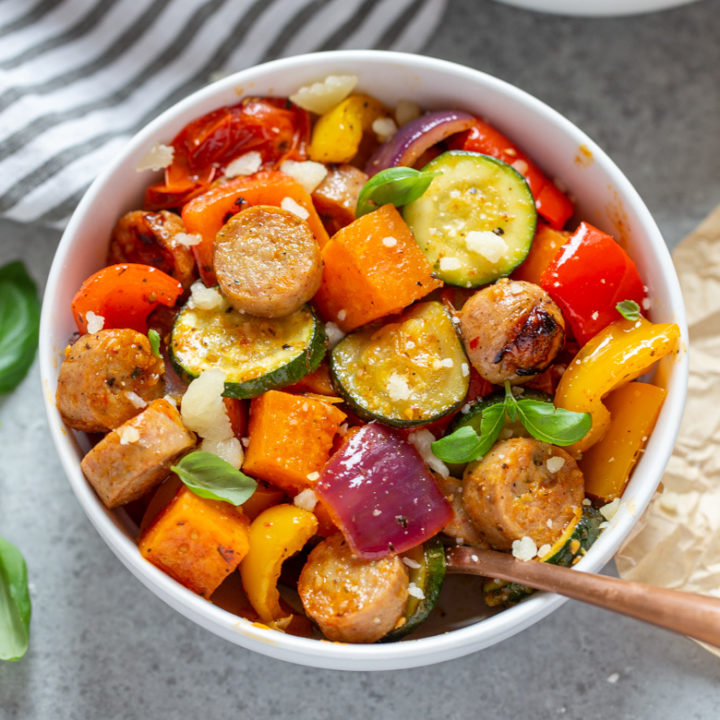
{"x": 461, "y": 527}
{"x": 267, "y": 261}
{"x": 149, "y": 238}
{"x": 523, "y": 487}
{"x": 106, "y": 378}
{"x": 336, "y": 197}
{"x": 512, "y": 331}
{"x": 352, "y": 600}
{"x": 130, "y": 461}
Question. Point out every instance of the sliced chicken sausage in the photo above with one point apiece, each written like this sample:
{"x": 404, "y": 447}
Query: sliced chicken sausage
{"x": 131, "y": 460}
{"x": 512, "y": 330}
{"x": 106, "y": 378}
{"x": 337, "y": 195}
{"x": 150, "y": 238}
{"x": 352, "y": 600}
{"x": 522, "y": 487}
{"x": 267, "y": 261}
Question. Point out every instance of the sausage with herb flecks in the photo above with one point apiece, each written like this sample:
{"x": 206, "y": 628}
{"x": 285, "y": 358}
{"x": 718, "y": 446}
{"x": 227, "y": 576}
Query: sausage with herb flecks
{"x": 267, "y": 261}
{"x": 352, "y": 600}
{"x": 512, "y": 330}
{"x": 337, "y": 195}
{"x": 523, "y": 487}
{"x": 149, "y": 238}
{"x": 106, "y": 378}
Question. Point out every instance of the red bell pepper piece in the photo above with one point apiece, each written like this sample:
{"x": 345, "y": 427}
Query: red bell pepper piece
{"x": 205, "y": 146}
{"x": 590, "y": 274}
{"x": 550, "y": 202}
{"x": 124, "y": 295}
{"x": 380, "y": 493}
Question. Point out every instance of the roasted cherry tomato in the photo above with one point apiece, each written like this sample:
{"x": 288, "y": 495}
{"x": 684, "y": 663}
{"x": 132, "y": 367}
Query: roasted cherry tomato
{"x": 588, "y": 277}
{"x": 124, "y": 295}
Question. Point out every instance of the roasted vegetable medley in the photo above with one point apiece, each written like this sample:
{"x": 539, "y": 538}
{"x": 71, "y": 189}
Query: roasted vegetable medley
{"x": 345, "y": 335}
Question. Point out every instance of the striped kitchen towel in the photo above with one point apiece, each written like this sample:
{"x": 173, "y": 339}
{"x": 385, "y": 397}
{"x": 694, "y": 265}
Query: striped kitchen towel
{"x": 79, "y": 77}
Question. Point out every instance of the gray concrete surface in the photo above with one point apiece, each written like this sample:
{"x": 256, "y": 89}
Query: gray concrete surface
{"x": 647, "y": 88}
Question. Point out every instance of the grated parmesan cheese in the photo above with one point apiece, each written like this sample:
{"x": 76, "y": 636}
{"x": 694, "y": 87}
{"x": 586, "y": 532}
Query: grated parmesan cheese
{"x": 416, "y": 591}
{"x": 342, "y": 314}
{"x": 186, "y": 239}
{"x": 543, "y": 550}
{"x": 389, "y": 241}
{"x": 412, "y": 564}
{"x": 308, "y": 173}
{"x": 465, "y": 369}
{"x": 306, "y": 499}
{"x": 206, "y": 298}
{"x": 524, "y": 549}
{"x": 608, "y": 511}
{"x": 158, "y": 157}
{"x": 406, "y": 111}
{"x": 384, "y": 128}
{"x": 319, "y": 97}
{"x": 398, "y": 387}
{"x": 229, "y": 449}
{"x": 334, "y": 333}
{"x": 554, "y": 463}
{"x": 135, "y": 399}
{"x": 422, "y": 441}
{"x": 313, "y": 476}
{"x": 295, "y": 208}
{"x": 487, "y": 244}
{"x": 444, "y": 363}
{"x": 95, "y": 323}
{"x": 450, "y": 263}
{"x": 128, "y": 434}
{"x": 246, "y": 164}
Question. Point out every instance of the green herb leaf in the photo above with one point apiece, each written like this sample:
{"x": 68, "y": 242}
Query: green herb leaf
{"x": 396, "y": 185}
{"x": 15, "y": 606}
{"x": 629, "y": 309}
{"x": 553, "y": 425}
{"x": 510, "y": 402}
{"x": 465, "y": 445}
{"x": 19, "y": 323}
{"x": 154, "y": 338}
{"x": 211, "y": 477}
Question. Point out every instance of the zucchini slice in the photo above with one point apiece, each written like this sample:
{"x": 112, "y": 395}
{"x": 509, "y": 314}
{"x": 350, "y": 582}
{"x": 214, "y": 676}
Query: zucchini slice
{"x": 256, "y": 354}
{"x": 426, "y": 563}
{"x": 476, "y": 221}
{"x": 409, "y": 371}
{"x": 567, "y": 550}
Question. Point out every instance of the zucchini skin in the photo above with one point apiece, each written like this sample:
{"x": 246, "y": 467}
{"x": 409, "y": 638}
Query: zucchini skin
{"x": 304, "y": 363}
{"x": 343, "y": 375}
{"x": 433, "y": 575}
{"x": 584, "y": 534}
{"x": 473, "y": 193}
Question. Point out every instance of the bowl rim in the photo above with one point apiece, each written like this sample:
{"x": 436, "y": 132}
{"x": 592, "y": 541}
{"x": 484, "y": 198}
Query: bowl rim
{"x": 321, "y": 653}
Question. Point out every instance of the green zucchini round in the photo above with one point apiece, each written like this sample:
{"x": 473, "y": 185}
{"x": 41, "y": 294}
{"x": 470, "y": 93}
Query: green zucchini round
{"x": 569, "y": 548}
{"x": 409, "y": 371}
{"x": 429, "y": 576}
{"x": 478, "y": 194}
{"x": 256, "y": 354}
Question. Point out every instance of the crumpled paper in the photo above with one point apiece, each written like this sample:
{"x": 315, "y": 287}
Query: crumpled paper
{"x": 677, "y": 543}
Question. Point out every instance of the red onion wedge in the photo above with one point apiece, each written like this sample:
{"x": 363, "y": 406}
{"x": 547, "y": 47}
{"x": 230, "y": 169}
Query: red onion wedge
{"x": 413, "y": 139}
{"x": 380, "y": 493}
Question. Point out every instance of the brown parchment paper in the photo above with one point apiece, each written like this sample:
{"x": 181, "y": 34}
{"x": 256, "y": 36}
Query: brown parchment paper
{"x": 677, "y": 543}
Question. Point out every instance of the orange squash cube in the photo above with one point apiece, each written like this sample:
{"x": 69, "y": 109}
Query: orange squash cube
{"x": 372, "y": 268}
{"x": 198, "y": 542}
{"x": 290, "y": 439}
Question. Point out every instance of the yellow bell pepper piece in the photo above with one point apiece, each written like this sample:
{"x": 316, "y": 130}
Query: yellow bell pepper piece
{"x": 621, "y": 352}
{"x": 275, "y": 535}
{"x": 337, "y": 134}
{"x": 607, "y": 465}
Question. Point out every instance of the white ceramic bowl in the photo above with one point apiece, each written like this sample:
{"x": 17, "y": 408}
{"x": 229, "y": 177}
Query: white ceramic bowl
{"x": 597, "y": 8}
{"x": 604, "y": 197}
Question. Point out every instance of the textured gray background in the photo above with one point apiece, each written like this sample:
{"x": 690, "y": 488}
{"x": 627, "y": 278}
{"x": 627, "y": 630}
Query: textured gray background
{"x": 647, "y": 88}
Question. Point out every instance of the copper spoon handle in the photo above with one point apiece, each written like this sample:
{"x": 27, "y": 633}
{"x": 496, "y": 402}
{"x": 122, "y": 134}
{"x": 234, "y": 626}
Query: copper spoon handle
{"x": 697, "y": 616}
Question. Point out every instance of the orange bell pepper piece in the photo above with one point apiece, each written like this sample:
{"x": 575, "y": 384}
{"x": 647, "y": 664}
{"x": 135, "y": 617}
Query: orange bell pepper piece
{"x": 607, "y": 464}
{"x": 619, "y": 353}
{"x": 275, "y": 535}
{"x": 545, "y": 245}
{"x": 205, "y": 214}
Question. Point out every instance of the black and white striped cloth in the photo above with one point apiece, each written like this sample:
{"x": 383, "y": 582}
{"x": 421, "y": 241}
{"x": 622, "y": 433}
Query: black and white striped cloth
{"x": 78, "y": 77}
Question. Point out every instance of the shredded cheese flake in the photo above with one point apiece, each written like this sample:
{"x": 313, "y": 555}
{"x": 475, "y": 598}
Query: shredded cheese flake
{"x": 524, "y": 549}
{"x": 308, "y": 173}
{"x": 135, "y": 399}
{"x": 406, "y": 111}
{"x": 450, "y": 263}
{"x": 206, "y": 298}
{"x": 186, "y": 239}
{"x": 416, "y": 591}
{"x": 422, "y": 440}
{"x": 398, "y": 388}
{"x": 554, "y": 463}
{"x": 158, "y": 157}
{"x": 295, "y": 208}
{"x": 334, "y": 333}
{"x": 95, "y": 323}
{"x": 306, "y": 499}
{"x": 389, "y": 241}
{"x": 319, "y": 97}
{"x": 128, "y": 434}
{"x": 412, "y": 564}
{"x": 486, "y": 244}
{"x": 608, "y": 511}
{"x": 246, "y": 164}
{"x": 313, "y": 476}
{"x": 384, "y": 128}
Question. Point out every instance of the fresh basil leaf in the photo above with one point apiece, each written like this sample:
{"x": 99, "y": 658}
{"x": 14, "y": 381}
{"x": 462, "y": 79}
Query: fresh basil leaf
{"x": 465, "y": 445}
{"x": 396, "y": 185}
{"x": 629, "y": 309}
{"x": 15, "y": 606}
{"x": 154, "y": 338}
{"x": 553, "y": 425}
{"x": 510, "y": 402}
{"x": 19, "y": 323}
{"x": 211, "y": 477}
